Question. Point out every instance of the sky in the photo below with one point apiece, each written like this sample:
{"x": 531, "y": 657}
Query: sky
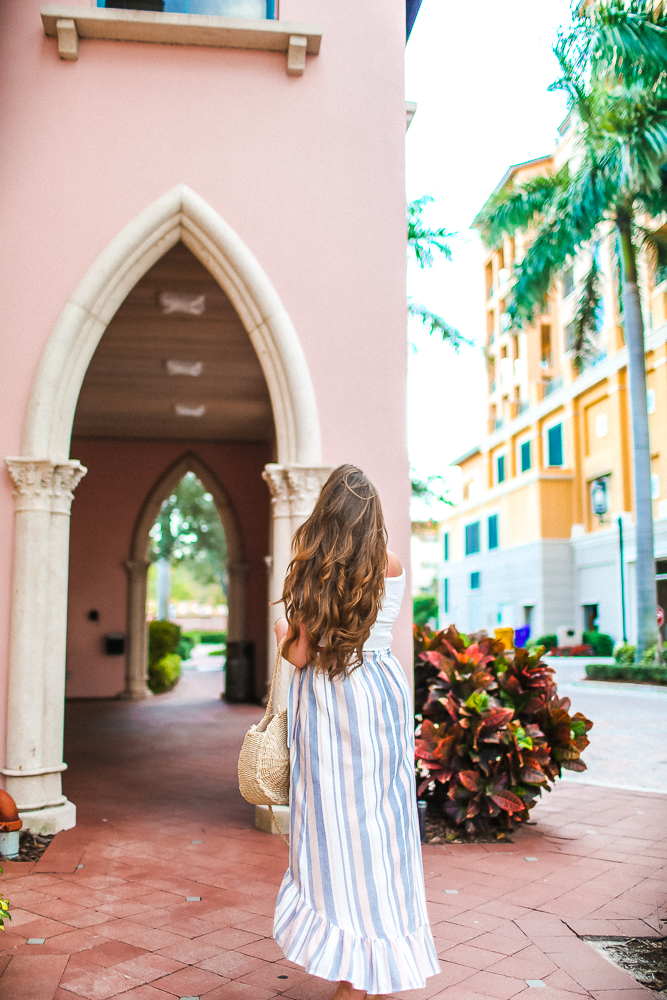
{"x": 479, "y": 74}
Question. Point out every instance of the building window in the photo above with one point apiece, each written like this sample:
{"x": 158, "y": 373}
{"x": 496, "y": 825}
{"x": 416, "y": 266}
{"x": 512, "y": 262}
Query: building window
{"x": 525, "y": 456}
{"x": 472, "y": 538}
{"x": 493, "y": 531}
{"x": 446, "y": 546}
{"x": 445, "y": 596}
{"x": 500, "y": 467}
{"x": 475, "y": 581}
{"x": 568, "y": 282}
{"x": 254, "y": 9}
{"x": 555, "y": 445}
{"x": 650, "y": 400}
{"x": 569, "y": 336}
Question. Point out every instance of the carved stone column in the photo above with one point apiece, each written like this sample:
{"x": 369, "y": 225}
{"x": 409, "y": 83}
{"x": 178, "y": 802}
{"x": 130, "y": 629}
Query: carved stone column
{"x": 294, "y": 490}
{"x": 43, "y": 492}
{"x": 136, "y": 632}
{"x": 236, "y": 591}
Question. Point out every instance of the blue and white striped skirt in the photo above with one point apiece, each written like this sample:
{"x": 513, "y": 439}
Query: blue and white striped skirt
{"x": 351, "y": 906}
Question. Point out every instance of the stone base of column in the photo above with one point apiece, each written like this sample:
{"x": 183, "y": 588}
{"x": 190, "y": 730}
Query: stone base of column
{"x": 50, "y": 820}
{"x": 263, "y": 819}
{"x": 135, "y": 695}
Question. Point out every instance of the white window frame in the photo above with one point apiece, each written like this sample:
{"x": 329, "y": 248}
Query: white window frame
{"x": 545, "y": 442}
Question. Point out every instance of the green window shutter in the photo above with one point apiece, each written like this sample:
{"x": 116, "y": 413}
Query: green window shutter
{"x": 555, "y": 444}
{"x": 472, "y": 538}
{"x": 525, "y": 456}
{"x": 493, "y": 531}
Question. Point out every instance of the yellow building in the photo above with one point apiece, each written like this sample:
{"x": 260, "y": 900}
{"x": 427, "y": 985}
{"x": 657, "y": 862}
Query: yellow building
{"x": 525, "y": 545}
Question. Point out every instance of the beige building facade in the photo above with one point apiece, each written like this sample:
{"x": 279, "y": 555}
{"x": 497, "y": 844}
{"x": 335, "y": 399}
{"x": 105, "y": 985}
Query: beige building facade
{"x": 526, "y": 545}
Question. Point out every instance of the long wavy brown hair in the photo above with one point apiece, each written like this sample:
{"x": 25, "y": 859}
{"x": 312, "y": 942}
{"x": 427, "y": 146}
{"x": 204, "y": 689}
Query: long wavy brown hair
{"x": 335, "y": 581}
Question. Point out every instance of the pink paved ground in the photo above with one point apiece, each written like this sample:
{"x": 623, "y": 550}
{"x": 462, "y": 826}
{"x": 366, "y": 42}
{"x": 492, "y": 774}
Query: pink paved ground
{"x": 154, "y": 779}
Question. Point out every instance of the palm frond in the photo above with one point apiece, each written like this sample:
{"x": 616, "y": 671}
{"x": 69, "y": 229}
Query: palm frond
{"x": 436, "y": 324}
{"x": 583, "y": 344}
{"x": 573, "y": 216}
{"x": 614, "y": 40}
{"x": 654, "y": 244}
{"x": 519, "y": 207}
{"x": 422, "y": 239}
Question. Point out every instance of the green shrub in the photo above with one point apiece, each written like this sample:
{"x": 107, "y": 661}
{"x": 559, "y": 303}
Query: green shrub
{"x": 164, "y": 664}
{"x": 424, "y": 606}
{"x": 185, "y": 647}
{"x": 548, "y": 641}
{"x": 492, "y": 731}
{"x": 213, "y": 637}
{"x": 628, "y": 672}
{"x": 624, "y": 653}
{"x": 654, "y": 656}
{"x": 603, "y": 645}
{"x": 163, "y": 638}
{"x": 165, "y": 674}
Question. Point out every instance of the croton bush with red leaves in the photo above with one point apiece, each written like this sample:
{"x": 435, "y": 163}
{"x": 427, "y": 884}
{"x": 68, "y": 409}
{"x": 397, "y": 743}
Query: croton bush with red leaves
{"x": 491, "y": 729}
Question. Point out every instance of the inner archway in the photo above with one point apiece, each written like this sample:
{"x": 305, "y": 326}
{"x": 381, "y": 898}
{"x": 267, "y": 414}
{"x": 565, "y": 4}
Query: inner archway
{"x": 139, "y": 560}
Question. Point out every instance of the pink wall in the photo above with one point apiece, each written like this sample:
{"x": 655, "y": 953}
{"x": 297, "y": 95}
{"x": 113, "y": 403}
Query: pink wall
{"x": 106, "y": 506}
{"x": 308, "y": 171}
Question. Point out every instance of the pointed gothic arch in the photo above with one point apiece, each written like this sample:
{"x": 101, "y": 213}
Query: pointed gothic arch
{"x": 178, "y": 215}
{"x": 138, "y": 563}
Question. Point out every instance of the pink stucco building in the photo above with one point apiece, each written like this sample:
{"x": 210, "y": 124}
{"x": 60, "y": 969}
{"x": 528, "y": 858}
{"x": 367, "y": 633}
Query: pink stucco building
{"x": 226, "y": 193}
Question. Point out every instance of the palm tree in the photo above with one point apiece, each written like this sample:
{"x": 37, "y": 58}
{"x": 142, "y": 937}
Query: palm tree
{"x": 613, "y": 63}
{"x": 423, "y": 242}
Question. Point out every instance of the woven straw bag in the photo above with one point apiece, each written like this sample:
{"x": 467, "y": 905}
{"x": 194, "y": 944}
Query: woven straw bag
{"x": 264, "y": 771}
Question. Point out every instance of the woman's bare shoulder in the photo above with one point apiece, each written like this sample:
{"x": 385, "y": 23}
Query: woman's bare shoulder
{"x": 394, "y": 567}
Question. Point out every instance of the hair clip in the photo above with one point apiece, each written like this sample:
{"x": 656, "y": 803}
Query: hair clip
{"x": 345, "y": 482}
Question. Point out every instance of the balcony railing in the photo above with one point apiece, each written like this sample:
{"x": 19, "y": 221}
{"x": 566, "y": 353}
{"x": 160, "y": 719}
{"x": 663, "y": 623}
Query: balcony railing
{"x": 252, "y": 9}
{"x": 551, "y": 384}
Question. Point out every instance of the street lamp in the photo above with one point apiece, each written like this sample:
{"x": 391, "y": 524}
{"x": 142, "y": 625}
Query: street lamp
{"x": 599, "y": 498}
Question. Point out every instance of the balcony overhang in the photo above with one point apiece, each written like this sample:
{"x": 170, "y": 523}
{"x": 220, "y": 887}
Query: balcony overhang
{"x": 69, "y": 23}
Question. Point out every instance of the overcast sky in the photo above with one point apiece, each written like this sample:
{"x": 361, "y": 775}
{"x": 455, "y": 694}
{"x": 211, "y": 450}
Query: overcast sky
{"x": 479, "y": 74}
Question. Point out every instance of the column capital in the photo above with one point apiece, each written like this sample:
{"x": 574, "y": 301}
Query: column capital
{"x": 31, "y": 479}
{"x": 304, "y": 484}
{"x": 66, "y": 478}
{"x": 274, "y": 477}
{"x": 40, "y": 484}
{"x": 295, "y": 488}
{"x": 137, "y": 565}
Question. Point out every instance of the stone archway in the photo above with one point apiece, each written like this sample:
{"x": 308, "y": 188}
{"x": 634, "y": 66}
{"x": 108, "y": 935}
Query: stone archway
{"x": 138, "y": 563}
{"x": 44, "y": 476}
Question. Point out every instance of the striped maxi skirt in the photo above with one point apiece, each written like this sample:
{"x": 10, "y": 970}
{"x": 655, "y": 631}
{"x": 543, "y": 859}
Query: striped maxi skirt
{"x": 351, "y": 906}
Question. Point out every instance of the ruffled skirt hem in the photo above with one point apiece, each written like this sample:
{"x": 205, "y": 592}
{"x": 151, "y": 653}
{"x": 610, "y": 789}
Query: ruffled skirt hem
{"x": 376, "y": 965}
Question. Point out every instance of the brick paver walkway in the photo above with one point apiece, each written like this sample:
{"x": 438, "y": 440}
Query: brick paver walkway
{"x": 165, "y": 890}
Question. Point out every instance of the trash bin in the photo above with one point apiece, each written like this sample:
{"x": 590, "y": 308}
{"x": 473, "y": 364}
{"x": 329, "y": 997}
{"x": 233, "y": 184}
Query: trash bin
{"x": 240, "y": 671}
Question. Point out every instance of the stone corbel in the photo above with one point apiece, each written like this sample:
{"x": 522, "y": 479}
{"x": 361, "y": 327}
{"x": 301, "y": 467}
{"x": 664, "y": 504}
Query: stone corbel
{"x": 296, "y": 55}
{"x": 68, "y": 39}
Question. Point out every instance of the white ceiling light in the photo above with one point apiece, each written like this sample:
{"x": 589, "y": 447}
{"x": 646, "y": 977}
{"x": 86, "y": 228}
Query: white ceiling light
{"x": 193, "y": 368}
{"x": 190, "y": 411}
{"x": 182, "y": 302}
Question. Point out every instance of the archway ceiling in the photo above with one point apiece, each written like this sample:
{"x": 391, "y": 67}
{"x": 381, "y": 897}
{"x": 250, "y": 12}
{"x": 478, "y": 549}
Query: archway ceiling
{"x": 128, "y": 391}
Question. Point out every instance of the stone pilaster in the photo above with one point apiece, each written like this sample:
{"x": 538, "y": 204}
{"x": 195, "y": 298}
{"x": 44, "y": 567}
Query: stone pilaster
{"x": 43, "y": 492}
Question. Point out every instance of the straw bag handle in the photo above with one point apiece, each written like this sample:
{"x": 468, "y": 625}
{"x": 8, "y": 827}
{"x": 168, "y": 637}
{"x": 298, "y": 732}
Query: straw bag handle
{"x": 277, "y": 673}
{"x": 277, "y": 670}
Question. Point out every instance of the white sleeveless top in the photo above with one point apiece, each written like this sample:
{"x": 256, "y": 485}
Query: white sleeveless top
{"x": 380, "y": 637}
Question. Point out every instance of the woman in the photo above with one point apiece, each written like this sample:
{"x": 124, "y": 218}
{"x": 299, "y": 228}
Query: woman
{"x": 351, "y": 908}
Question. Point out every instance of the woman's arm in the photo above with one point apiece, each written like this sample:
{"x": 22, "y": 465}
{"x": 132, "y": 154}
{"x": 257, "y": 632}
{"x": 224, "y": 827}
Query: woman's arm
{"x": 394, "y": 567}
{"x": 298, "y": 654}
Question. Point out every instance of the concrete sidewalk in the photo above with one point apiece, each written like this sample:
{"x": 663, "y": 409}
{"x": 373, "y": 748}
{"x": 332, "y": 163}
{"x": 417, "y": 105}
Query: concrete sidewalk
{"x": 176, "y": 891}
